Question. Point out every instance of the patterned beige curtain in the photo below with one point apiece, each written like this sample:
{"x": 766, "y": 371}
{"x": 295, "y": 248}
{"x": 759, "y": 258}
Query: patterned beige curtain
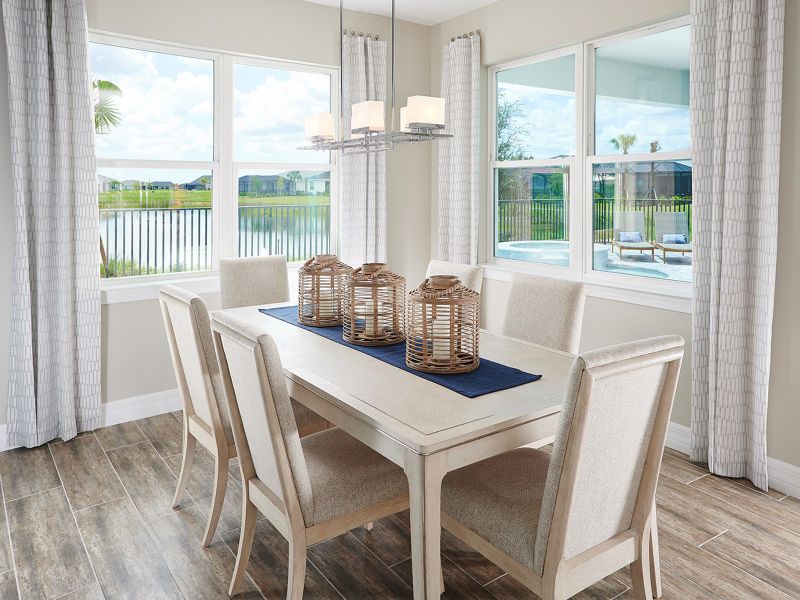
{"x": 54, "y": 368}
{"x": 459, "y": 195}
{"x": 737, "y": 75}
{"x": 362, "y": 210}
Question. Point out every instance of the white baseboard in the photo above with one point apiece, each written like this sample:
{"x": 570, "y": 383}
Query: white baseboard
{"x": 783, "y": 477}
{"x": 122, "y": 411}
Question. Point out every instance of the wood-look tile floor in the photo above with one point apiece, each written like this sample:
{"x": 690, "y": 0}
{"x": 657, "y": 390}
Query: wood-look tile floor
{"x": 92, "y": 518}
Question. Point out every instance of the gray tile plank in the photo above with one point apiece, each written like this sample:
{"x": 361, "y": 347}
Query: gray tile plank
{"x": 355, "y": 571}
{"x": 605, "y": 589}
{"x": 126, "y": 560}
{"x": 200, "y": 572}
{"x": 147, "y": 479}
{"x": 165, "y": 432}
{"x": 122, "y": 434}
{"x": 201, "y": 487}
{"x": 27, "y": 471}
{"x": 389, "y": 540}
{"x": 681, "y": 470}
{"x": 51, "y": 561}
{"x": 269, "y": 566}
{"x": 86, "y": 473}
{"x": 6, "y": 560}
{"x": 93, "y": 592}
{"x": 457, "y": 584}
{"x": 8, "y": 586}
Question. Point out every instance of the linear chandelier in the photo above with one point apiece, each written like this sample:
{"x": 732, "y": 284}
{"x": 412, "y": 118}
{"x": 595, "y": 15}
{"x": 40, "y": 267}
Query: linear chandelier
{"x": 421, "y": 120}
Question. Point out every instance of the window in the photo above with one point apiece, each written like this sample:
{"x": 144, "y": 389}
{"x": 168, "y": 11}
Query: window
{"x": 197, "y": 158}
{"x": 535, "y": 125}
{"x": 632, "y": 195}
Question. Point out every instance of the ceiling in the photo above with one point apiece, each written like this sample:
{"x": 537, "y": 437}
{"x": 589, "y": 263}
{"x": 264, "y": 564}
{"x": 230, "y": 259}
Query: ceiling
{"x": 426, "y": 12}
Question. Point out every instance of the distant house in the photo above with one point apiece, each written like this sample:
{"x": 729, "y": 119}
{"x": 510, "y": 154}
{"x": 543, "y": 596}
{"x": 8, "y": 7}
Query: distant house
{"x": 105, "y": 184}
{"x": 267, "y": 185}
{"x": 160, "y": 185}
{"x": 318, "y": 184}
{"x": 201, "y": 183}
{"x": 130, "y": 184}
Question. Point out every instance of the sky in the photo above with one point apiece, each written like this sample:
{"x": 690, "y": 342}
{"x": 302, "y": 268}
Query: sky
{"x": 167, "y": 105}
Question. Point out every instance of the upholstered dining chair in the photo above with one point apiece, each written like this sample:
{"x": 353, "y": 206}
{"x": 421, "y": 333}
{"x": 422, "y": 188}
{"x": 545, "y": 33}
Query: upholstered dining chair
{"x": 260, "y": 280}
{"x": 205, "y": 412}
{"x": 558, "y": 523}
{"x": 311, "y": 489}
{"x": 253, "y": 280}
{"x": 545, "y": 311}
{"x": 471, "y": 276}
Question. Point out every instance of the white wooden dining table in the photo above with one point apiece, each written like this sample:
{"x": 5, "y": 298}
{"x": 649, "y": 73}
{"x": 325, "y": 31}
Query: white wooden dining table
{"x": 423, "y": 427}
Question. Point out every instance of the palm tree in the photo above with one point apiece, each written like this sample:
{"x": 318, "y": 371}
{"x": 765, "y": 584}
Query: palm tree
{"x": 106, "y": 113}
{"x": 623, "y": 141}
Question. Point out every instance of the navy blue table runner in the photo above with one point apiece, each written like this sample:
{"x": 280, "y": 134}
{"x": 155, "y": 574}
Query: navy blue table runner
{"x": 487, "y": 378}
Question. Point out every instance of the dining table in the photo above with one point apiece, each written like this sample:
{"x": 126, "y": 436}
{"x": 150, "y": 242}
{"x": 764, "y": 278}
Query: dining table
{"x": 423, "y": 427}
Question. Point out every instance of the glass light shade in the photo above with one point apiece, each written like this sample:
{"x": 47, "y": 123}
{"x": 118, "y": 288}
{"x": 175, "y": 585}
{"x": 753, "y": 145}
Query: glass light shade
{"x": 319, "y": 126}
{"x": 425, "y": 110}
{"x": 368, "y": 116}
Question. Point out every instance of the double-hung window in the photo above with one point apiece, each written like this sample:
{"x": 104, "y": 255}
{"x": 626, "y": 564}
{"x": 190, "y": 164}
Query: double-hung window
{"x": 197, "y": 158}
{"x": 590, "y": 160}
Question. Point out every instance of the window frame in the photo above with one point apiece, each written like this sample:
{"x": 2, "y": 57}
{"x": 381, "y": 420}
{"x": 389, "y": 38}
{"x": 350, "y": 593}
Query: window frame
{"x": 223, "y": 168}
{"x": 669, "y": 294}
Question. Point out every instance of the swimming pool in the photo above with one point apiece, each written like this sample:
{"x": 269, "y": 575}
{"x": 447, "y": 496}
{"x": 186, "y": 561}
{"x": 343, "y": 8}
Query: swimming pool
{"x": 556, "y": 252}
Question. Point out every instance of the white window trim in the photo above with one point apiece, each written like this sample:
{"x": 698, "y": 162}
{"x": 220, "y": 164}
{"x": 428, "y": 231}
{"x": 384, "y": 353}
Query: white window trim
{"x": 658, "y": 293}
{"x": 224, "y": 203}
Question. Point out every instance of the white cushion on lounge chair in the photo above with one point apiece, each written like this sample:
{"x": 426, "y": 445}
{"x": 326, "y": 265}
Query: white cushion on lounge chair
{"x": 638, "y": 245}
{"x": 676, "y": 247}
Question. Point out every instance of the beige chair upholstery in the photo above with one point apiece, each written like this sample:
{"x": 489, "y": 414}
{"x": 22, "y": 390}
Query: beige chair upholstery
{"x": 312, "y": 488}
{"x": 471, "y": 276}
{"x": 254, "y": 280}
{"x": 257, "y": 281}
{"x": 544, "y": 518}
{"x": 545, "y": 311}
{"x": 205, "y": 412}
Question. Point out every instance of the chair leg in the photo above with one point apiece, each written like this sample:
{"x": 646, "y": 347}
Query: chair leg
{"x": 369, "y": 526}
{"x": 640, "y": 570}
{"x": 220, "y": 484}
{"x": 655, "y": 560}
{"x": 441, "y": 580}
{"x": 297, "y": 569}
{"x": 245, "y": 543}
{"x": 189, "y": 443}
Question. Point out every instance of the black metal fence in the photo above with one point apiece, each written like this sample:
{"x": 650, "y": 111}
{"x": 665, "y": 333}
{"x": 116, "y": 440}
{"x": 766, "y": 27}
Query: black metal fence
{"x": 167, "y": 240}
{"x": 534, "y": 220}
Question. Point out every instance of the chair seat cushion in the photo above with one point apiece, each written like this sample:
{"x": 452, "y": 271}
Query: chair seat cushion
{"x": 346, "y": 475}
{"x": 687, "y": 247}
{"x": 499, "y": 499}
{"x": 636, "y": 245}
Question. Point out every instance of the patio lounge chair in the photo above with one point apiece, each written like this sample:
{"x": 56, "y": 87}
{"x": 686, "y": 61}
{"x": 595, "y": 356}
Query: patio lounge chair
{"x": 631, "y": 221}
{"x": 672, "y": 223}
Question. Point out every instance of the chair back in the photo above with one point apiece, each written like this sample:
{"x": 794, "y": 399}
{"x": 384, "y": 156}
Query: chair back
{"x": 193, "y": 359}
{"x": 629, "y": 220}
{"x": 471, "y": 276}
{"x": 253, "y": 280}
{"x": 264, "y": 427}
{"x": 604, "y": 468}
{"x": 671, "y": 223}
{"x": 545, "y": 311}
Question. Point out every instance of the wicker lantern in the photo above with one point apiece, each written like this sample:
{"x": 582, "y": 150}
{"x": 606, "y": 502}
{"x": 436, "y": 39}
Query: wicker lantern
{"x": 319, "y": 298}
{"x": 443, "y": 326}
{"x": 374, "y": 306}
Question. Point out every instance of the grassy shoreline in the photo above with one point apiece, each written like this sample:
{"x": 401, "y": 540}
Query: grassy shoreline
{"x": 193, "y": 199}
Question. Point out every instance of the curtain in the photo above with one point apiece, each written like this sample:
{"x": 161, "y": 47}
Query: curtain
{"x": 54, "y": 366}
{"x": 736, "y": 80}
{"x": 459, "y": 195}
{"x": 362, "y": 212}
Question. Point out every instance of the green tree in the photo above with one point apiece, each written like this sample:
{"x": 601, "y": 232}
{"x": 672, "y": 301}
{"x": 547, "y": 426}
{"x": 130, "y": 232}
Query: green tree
{"x": 205, "y": 182}
{"x": 294, "y": 175}
{"x": 623, "y": 141}
{"x": 654, "y": 147}
{"x": 106, "y": 112}
{"x": 511, "y": 134}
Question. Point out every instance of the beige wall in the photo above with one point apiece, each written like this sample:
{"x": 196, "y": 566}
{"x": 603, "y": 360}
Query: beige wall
{"x": 507, "y": 28}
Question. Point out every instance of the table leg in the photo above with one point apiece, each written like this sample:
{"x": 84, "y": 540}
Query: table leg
{"x": 425, "y": 474}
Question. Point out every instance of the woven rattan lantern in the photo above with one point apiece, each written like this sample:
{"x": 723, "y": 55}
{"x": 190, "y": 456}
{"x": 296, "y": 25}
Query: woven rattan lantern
{"x": 374, "y": 306}
{"x": 319, "y": 298}
{"x": 443, "y": 326}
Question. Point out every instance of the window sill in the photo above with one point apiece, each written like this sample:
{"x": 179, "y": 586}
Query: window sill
{"x": 674, "y": 296}
{"x": 137, "y": 289}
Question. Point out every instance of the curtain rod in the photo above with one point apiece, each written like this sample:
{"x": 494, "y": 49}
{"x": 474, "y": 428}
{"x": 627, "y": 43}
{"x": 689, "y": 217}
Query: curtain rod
{"x": 353, "y": 33}
{"x": 465, "y": 35}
